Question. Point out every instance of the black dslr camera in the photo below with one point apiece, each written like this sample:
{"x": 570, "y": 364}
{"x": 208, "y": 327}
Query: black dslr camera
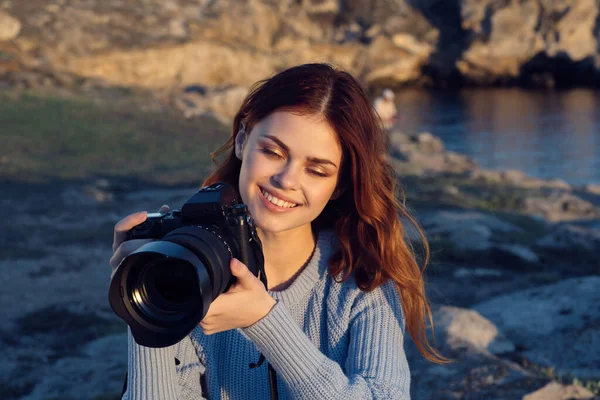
{"x": 163, "y": 289}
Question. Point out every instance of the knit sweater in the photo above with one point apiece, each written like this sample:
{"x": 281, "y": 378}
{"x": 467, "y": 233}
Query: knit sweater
{"x": 325, "y": 340}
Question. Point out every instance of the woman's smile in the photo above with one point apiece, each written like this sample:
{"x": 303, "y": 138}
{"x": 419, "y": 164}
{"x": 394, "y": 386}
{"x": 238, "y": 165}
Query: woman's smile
{"x": 275, "y": 204}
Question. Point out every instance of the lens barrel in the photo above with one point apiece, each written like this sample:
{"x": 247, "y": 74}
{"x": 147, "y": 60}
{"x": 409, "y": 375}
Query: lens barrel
{"x": 164, "y": 288}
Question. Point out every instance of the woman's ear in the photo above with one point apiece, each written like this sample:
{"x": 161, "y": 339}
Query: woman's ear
{"x": 240, "y": 141}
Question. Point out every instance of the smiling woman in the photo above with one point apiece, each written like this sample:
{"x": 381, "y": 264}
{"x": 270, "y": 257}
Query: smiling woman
{"x": 288, "y": 160}
{"x": 307, "y": 155}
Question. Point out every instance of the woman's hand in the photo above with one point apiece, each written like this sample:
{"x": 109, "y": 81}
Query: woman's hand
{"x": 246, "y": 302}
{"x": 121, "y": 247}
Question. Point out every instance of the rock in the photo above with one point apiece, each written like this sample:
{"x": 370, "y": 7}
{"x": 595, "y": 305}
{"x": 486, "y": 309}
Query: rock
{"x": 9, "y": 27}
{"x": 425, "y": 154}
{"x": 477, "y": 272}
{"x": 556, "y": 391}
{"x": 467, "y": 328}
{"x": 428, "y": 143}
{"x": 593, "y": 189}
{"x": 387, "y": 43}
{"x": 98, "y": 371}
{"x": 569, "y": 237}
{"x": 472, "y": 342}
{"x": 392, "y": 66}
{"x": 502, "y": 39}
{"x": 222, "y": 104}
{"x": 518, "y": 179}
{"x": 520, "y": 251}
{"x": 466, "y": 230}
{"x": 560, "y": 207}
{"x": 411, "y": 44}
{"x": 544, "y": 321}
{"x": 526, "y": 41}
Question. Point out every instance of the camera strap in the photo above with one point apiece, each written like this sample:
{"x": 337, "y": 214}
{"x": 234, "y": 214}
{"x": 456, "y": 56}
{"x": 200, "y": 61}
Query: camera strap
{"x": 261, "y": 359}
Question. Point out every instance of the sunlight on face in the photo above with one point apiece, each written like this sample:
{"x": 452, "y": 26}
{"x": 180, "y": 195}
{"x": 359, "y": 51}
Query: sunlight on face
{"x": 289, "y": 170}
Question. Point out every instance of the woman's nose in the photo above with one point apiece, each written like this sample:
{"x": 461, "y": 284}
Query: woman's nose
{"x": 288, "y": 177}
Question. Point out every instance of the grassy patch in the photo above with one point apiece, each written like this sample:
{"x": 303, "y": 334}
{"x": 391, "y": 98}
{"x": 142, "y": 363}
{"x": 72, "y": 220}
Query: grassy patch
{"x": 46, "y": 137}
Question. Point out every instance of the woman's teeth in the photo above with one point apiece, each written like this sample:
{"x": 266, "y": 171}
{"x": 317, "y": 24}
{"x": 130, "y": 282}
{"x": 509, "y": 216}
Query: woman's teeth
{"x": 276, "y": 201}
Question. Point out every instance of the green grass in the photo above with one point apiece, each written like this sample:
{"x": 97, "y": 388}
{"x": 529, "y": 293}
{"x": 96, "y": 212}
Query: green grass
{"x": 49, "y": 137}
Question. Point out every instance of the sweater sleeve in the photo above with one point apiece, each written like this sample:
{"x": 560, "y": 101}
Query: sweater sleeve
{"x": 376, "y": 365}
{"x": 154, "y": 374}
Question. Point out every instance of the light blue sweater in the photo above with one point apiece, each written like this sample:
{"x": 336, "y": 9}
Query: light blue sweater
{"x": 325, "y": 340}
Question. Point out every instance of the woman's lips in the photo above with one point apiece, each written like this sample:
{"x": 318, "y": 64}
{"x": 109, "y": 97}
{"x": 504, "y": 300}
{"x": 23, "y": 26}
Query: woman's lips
{"x": 272, "y": 207}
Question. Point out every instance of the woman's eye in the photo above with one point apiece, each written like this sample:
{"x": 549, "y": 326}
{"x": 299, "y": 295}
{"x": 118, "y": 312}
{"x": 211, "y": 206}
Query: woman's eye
{"x": 318, "y": 173}
{"x": 271, "y": 153}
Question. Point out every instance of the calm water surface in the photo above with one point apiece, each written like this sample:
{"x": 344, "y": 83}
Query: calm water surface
{"x": 544, "y": 134}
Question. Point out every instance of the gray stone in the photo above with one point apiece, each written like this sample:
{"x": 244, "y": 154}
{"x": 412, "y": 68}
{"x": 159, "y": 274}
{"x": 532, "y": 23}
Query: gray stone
{"x": 477, "y": 272}
{"x": 522, "y": 252}
{"x": 98, "y": 371}
{"x": 545, "y": 321}
{"x": 467, "y": 328}
{"x": 569, "y": 236}
{"x": 467, "y": 230}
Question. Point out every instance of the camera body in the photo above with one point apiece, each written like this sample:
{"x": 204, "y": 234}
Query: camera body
{"x": 163, "y": 289}
{"x": 213, "y": 207}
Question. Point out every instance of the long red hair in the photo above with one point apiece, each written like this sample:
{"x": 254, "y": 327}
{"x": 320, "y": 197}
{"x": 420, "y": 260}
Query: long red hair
{"x": 366, "y": 217}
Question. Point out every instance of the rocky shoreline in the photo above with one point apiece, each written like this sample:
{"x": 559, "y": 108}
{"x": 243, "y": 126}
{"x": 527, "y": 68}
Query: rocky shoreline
{"x": 531, "y": 43}
{"x": 513, "y": 281}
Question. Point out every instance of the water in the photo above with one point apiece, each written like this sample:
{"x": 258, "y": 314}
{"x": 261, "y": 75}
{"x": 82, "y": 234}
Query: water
{"x": 544, "y": 134}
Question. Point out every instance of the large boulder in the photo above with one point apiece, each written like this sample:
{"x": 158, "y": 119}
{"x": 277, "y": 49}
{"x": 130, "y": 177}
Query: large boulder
{"x": 534, "y": 41}
{"x": 424, "y": 153}
{"x": 474, "y": 344}
{"x": 466, "y": 230}
{"x": 571, "y": 237}
{"x": 460, "y": 328}
{"x": 560, "y": 206}
{"x": 556, "y": 325}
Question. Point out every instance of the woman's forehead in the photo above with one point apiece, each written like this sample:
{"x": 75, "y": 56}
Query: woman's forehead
{"x": 300, "y": 132}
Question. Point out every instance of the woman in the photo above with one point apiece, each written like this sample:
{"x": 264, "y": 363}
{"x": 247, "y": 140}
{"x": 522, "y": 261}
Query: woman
{"x": 307, "y": 156}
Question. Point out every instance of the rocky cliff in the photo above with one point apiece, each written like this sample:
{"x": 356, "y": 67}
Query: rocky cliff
{"x": 161, "y": 44}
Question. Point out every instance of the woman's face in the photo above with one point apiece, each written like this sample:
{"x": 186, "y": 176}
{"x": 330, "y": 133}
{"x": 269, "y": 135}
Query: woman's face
{"x": 289, "y": 171}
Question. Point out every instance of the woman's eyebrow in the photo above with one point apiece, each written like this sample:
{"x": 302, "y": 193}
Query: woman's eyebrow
{"x": 321, "y": 161}
{"x": 287, "y": 149}
{"x": 279, "y": 142}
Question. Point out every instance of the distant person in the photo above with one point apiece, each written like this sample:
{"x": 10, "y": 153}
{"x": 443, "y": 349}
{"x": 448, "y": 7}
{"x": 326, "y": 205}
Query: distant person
{"x": 307, "y": 156}
{"x": 386, "y": 108}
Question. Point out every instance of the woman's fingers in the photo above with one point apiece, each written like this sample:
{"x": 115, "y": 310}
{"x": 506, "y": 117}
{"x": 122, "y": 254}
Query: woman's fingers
{"x": 126, "y": 248}
{"x": 121, "y": 247}
{"x": 125, "y": 225}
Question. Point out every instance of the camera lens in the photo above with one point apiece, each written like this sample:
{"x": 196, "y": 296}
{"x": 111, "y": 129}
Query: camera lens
{"x": 164, "y": 290}
{"x": 171, "y": 282}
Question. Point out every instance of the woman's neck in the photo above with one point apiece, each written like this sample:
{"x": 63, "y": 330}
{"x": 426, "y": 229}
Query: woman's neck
{"x": 286, "y": 253}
